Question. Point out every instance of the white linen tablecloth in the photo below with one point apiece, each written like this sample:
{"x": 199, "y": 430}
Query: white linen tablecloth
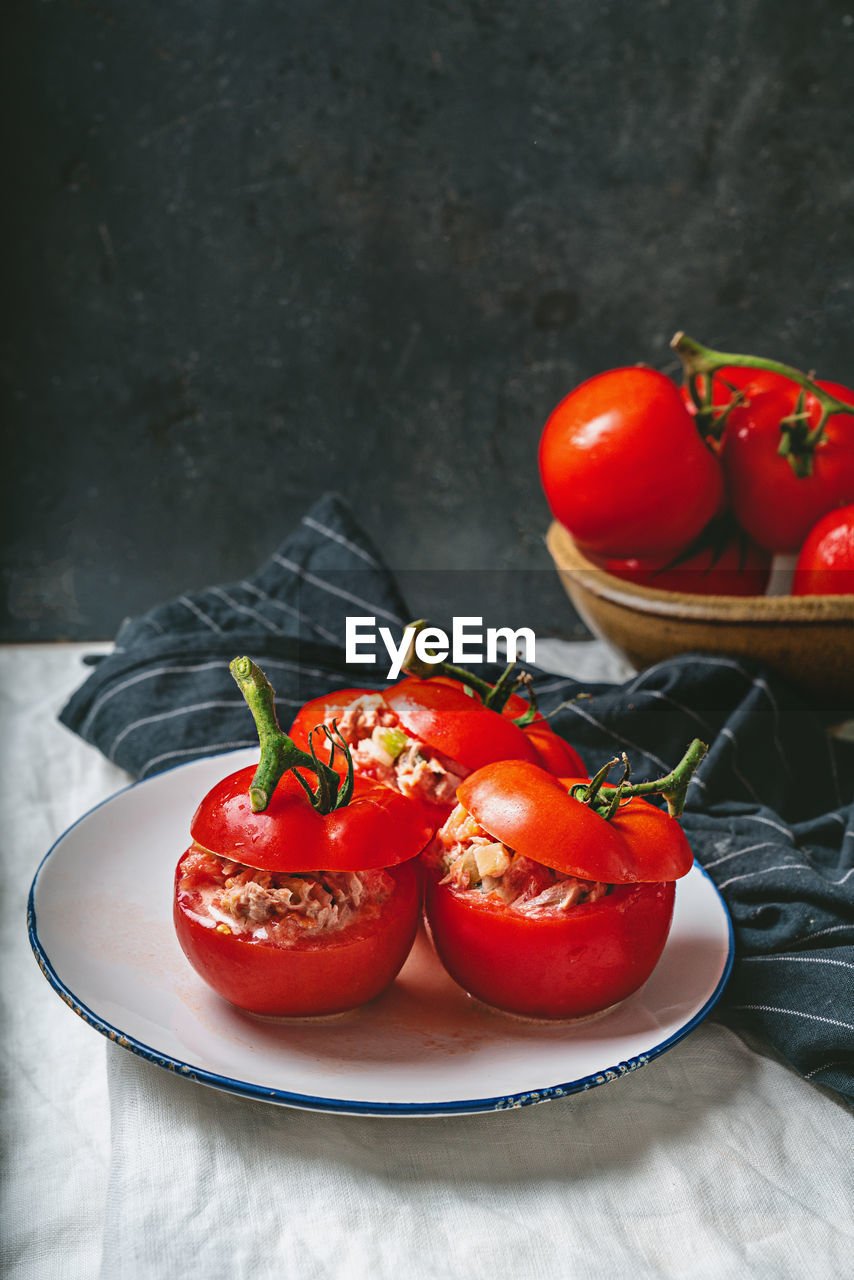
{"x": 714, "y": 1160}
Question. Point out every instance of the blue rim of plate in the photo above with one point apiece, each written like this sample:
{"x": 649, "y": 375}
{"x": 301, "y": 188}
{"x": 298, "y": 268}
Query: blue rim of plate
{"x": 348, "y": 1106}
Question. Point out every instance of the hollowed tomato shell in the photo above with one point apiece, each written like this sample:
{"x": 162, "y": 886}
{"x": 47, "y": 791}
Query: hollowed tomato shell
{"x": 328, "y": 973}
{"x": 378, "y": 828}
{"x": 578, "y": 963}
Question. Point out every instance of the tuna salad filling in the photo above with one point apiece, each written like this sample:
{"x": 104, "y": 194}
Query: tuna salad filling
{"x": 474, "y": 861}
{"x": 277, "y": 906}
{"x": 384, "y": 752}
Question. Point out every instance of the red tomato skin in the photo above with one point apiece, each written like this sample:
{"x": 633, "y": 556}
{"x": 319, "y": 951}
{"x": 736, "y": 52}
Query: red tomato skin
{"x": 590, "y": 958}
{"x": 776, "y": 507}
{"x": 378, "y": 828}
{"x": 530, "y": 811}
{"x": 624, "y": 468}
{"x": 741, "y": 569}
{"x": 826, "y": 563}
{"x": 325, "y": 975}
{"x": 553, "y": 752}
{"x": 461, "y": 727}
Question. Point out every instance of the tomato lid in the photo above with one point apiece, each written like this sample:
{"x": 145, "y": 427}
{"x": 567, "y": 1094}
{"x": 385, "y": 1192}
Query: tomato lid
{"x": 378, "y": 828}
{"x": 445, "y": 717}
{"x": 532, "y": 812}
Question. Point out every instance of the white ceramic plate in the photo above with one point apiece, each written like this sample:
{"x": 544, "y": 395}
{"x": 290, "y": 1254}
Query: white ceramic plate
{"x": 100, "y": 922}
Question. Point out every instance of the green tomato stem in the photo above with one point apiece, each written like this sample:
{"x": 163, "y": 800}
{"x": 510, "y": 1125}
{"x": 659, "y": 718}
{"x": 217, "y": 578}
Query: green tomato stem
{"x": 495, "y": 697}
{"x": 500, "y": 692}
{"x": 279, "y": 752}
{"x": 698, "y": 360}
{"x": 413, "y": 665}
{"x": 524, "y": 686}
{"x": 481, "y": 687}
{"x": 589, "y": 792}
{"x": 606, "y": 799}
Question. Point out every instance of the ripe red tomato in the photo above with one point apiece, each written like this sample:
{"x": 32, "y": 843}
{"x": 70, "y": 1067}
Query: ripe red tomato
{"x": 826, "y": 562}
{"x": 444, "y": 717}
{"x": 567, "y": 962}
{"x": 729, "y": 565}
{"x": 624, "y": 468}
{"x": 267, "y": 959}
{"x": 772, "y": 503}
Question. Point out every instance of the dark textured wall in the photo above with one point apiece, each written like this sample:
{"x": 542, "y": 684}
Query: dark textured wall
{"x": 260, "y": 250}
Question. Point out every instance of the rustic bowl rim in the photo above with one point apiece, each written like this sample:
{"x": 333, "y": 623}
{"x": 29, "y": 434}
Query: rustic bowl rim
{"x": 712, "y": 608}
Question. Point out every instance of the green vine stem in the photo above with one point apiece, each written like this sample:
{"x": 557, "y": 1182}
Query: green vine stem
{"x": 798, "y": 440}
{"x": 605, "y": 798}
{"x": 280, "y": 754}
{"x": 494, "y": 696}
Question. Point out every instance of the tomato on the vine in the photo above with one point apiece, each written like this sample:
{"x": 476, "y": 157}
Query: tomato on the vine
{"x": 544, "y": 906}
{"x": 826, "y": 562}
{"x": 624, "y": 467}
{"x": 777, "y": 499}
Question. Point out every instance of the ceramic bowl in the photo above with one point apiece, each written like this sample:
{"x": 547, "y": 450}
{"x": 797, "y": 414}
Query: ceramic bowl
{"x": 809, "y": 640}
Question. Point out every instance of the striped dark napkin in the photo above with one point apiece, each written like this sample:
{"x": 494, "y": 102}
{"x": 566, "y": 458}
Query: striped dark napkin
{"x": 770, "y": 812}
{"x": 165, "y": 695}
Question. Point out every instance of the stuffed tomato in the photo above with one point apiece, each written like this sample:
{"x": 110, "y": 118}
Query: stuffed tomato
{"x": 297, "y": 899}
{"x": 548, "y": 897}
{"x": 423, "y": 737}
